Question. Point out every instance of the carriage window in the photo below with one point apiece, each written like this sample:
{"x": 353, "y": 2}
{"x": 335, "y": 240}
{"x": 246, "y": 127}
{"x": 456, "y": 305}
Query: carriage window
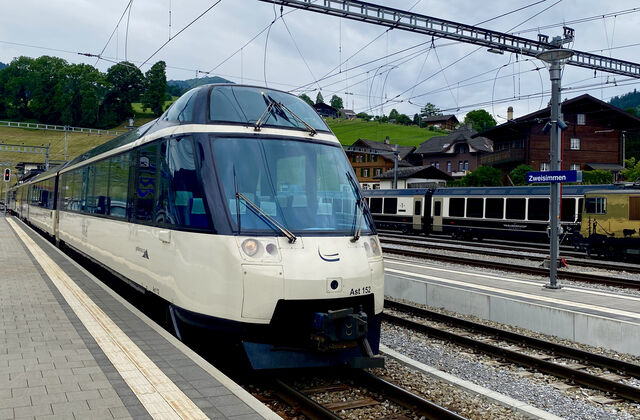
{"x": 634, "y": 208}
{"x": 494, "y": 208}
{"x": 145, "y": 183}
{"x": 474, "y": 207}
{"x": 596, "y": 205}
{"x": 538, "y": 209}
{"x": 376, "y": 205}
{"x": 515, "y": 208}
{"x": 568, "y": 210}
{"x": 437, "y": 209}
{"x": 390, "y": 205}
{"x": 98, "y": 193}
{"x": 456, "y": 207}
{"x": 119, "y": 185}
{"x": 418, "y": 208}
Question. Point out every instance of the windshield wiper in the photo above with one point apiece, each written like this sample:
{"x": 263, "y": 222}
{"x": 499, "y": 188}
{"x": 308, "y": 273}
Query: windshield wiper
{"x": 359, "y": 204}
{"x": 271, "y": 221}
{"x": 282, "y": 108}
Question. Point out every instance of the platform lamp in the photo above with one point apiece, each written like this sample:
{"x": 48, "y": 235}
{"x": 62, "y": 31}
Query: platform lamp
{"x": 555, "y": 60}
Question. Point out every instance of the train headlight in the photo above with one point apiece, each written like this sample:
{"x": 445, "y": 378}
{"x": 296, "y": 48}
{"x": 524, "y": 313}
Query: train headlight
{"x": 250, "y": 247}
{"x": 375, "y": 248}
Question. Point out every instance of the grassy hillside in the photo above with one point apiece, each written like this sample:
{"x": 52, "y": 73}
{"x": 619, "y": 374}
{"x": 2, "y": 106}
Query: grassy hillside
{"x": 350, "y": 131}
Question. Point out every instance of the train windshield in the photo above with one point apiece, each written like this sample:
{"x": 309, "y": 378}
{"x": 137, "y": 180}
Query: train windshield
{"x": 243, "y": 104}
{"x": 304, "y": 186}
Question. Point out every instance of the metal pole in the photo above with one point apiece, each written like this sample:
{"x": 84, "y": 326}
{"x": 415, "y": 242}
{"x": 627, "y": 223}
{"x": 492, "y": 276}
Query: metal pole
{"x": 46, "y": 162}
{"x": 66, "y": 142}
{"x": 395, "y": 169}
{"x": 555, "y": 71}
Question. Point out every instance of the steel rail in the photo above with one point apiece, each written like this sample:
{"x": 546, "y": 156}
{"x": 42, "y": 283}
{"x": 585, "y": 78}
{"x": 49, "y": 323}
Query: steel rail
{"x": 303, "y": 403}
{"x": 536, "y": 271}
{"x": 562, "y": 350}
{"x": 554, "y": 369}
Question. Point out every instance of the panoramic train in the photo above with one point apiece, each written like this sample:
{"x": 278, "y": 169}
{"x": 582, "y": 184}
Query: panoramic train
{"x": 519, "y": 213}
{"x": 238, "y": 211}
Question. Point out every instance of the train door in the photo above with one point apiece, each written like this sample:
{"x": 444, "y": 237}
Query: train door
{"x": 438, "y": 206}
{"x": 417, "y": 213}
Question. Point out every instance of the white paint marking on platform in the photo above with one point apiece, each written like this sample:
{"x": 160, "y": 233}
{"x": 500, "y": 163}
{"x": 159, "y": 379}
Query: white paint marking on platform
{"x": 518, "y": 294}
{"x": 157, "y": 393}
{"x": 510, "y": 280}
{"x": 516, "y": 405}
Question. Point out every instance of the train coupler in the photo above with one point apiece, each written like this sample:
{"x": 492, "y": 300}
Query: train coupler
{"x": 338, "y": 328}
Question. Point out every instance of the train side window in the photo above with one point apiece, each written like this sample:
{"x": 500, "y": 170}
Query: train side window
{"x": 119, "y": 185}
{"x": 145, "y": 183}
{"x": 376, "y": 205}
{"x": 596, "y": 205}
{"x": 516, "y": 208}
{"x": 568, "y": 210}
{"x": 474, "y": 207}
{"x": 538, "y": 209}
{"x": 417, "y": 211}
{"x": 437, "y": 208}
{"x": 390, "y": 205}
{"x": 580, "y": 207}
{"x": 494, "y": 208}
{"x": 456, "y": 207}
{"x": 98, "y": 193}
{"x": 634, "y": 208}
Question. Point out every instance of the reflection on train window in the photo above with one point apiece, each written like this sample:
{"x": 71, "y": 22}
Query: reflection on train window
{"x": 376, "y": 205}
{"x": 538, "y": 209}
{"x": 119, "y": 185}
{"x": 437, "y": 209}
{"x": 417, "y": 211}
{"x": 474, "y": 207}
{"x": 634, "y": 208}
{"x": 456, "y": 207}
{"x": 390, "y": 205}
{"x": 494, "y": 208}
{"x": 145, "y": 184}
{"x": 568, "y": 210}
{"x": 596, "y": 205}
{"x": 516, "y": 208}
{"x": 182, "y": 109}
{"x": 98, "y": 188}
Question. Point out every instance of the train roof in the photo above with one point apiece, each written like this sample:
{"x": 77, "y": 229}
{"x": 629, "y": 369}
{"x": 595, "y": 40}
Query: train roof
{"x": 398, "y": 192}
{"x": 523, "y": 190}
{"x": 609, "y": 192}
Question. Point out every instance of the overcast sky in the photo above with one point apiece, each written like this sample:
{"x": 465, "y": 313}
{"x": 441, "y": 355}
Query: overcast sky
{"x": 324, "y": 41}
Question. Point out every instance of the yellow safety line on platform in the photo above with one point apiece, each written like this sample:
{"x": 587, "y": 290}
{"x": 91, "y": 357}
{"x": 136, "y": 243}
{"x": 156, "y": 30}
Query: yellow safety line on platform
{"x": 517, "y": 294}
{"x": 157, "y": 393}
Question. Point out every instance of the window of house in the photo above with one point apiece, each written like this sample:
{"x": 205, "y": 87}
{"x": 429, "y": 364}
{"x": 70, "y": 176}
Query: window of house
{"x": 456, "y": 207}
{"x": 368, "y": 158}
{"x": 466, "y": 165}
{"x": 475, "y": 207}
{"x": 366, "y": 172}
{"x": 374, "y": 158}
{"x": 581, "y": 119}
{"x": 448, "y": 166}
{"x": 575, "y": 144}
{"x": 538, "y": 209}
{"x": 437, "y": 165}
{"x": 378, "y": 171}
{"x": 575, "y": 166}
{"x": 460, "y": 166}
{"x": 595, "y": 205}
{"x": 544, "y": 166}
{"x": 494, "y": 208}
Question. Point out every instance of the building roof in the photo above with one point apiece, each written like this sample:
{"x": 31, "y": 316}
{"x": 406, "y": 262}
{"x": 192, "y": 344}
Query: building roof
{"x": 612, "y": 167}
{"x": 349, "y": 112}
{"x": 381, "y": 148}
{"x": 583, "y": 104}
{"x": 440, "y": 118}
{"x": 324, "y": 107}
{"x": 426, "y": 172}
{"x": 439, "y": 144}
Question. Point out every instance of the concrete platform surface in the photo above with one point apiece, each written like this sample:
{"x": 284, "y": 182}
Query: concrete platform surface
{"x": 71, "y": 348}
{"x": 585, "y": 315}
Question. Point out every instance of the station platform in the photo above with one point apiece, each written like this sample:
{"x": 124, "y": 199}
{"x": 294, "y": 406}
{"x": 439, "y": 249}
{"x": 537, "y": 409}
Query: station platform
{"x": 72, "y": 348}
{"x": 584, "y": 315}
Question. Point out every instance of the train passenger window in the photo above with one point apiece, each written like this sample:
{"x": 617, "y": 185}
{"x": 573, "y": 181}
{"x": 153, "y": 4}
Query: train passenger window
{"x": 494, "y": 208}
{"x": 596, "y": 205}
{"x": 580, "y": 207}
{"x": 474, "y": 207}
{"x": 417, "y": 211}
{"x": 538, "y": 209}
{"x": 180, "y": 202}
{"x": 634, "y": 208}
{"x": 119, "y": 185}
{"x": 146, "y": 183}
{"x": 390, "y": 205}
{"x": 568, "y": 210}
{"x": 456, "y": 207}
{"x": 437, "y": 209}
{"x": 376, "y": 205}
{"x": 98, "y": 192}
{"x": 516, "y": 208}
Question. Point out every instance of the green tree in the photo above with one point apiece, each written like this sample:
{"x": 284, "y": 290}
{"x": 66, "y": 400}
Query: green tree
{"x": 319, "y": 98}
{"x": 393, "y": 115}
{"x": 306, "y": 98}
{"x": 126, "y": 84}
{"x": 631, "y": 172}
{"x": 632, "y": 111}
{"x": 519, "y": 174}
{"x": 417, "y": 120}
{"x": 597, "y": 177}
{"x": 364, "y": 116}
{"x": 336, "y": 102}
{"x": 79, "y": 95}
{"x": 403, "y": 119}
{"x": 16, "y": 88}
{"x": 430, "y": 110}
{"x": 483, "y": 176}
{"x": 480, "y": 120}
{"x": 45, "y": 74}
{"x": 155, "y": 86}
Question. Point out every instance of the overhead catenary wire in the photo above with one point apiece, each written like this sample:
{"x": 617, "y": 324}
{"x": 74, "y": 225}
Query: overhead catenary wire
{"x": 113, "y": 32}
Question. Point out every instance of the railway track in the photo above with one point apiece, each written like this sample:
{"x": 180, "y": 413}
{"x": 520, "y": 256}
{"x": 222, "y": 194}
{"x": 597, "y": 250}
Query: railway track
{"x": 588, "y": 369}
{"x": 499, "y": 250}
{"x": 515, "y": 268}
{"x": 377, "y": 390}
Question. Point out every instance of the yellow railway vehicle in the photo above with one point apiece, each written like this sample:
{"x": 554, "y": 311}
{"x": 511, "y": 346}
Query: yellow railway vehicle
{"x": 611, "y": 223}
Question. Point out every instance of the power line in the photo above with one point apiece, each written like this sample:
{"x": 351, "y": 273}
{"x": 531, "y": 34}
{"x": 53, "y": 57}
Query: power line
{"x": 578, "y": 21}
{"x": 113, "y": 32}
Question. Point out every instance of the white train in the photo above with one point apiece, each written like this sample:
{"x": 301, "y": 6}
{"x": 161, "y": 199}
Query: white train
{"x": 239, "y": 210}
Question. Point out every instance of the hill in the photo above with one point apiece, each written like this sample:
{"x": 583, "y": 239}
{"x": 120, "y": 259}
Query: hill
{"x": 626, "y": 101}
{"x": 348, "y": 131}
{"x": 178, "y": 87}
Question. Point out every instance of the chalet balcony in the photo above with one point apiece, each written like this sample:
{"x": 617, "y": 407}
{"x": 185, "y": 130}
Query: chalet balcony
{"x": 502, "y": 157}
